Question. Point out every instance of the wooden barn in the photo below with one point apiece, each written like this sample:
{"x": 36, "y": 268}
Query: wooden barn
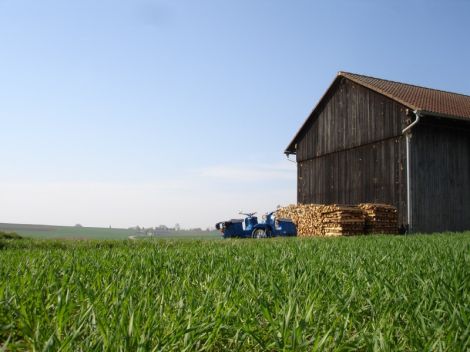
{"x": 374, "y": 140}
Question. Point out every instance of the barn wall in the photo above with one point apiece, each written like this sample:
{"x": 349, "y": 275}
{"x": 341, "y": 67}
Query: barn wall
{"x": 350, "y": 116}
{"x": 353, "y": 151}
{"x": 440, "y": 170}
{"x": 371, "y": 173}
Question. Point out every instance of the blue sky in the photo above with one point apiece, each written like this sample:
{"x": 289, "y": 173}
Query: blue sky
{"x": 153, "y": 112}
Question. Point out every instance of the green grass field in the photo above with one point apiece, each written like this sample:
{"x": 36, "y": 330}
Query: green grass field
{"x": 382, "y": 293}
{"x": 72, "y": 232}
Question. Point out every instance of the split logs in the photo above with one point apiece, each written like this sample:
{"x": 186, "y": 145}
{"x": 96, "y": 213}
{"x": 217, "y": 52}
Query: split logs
{"x": 380, "y": 218}
{"x": 341, "y": 220}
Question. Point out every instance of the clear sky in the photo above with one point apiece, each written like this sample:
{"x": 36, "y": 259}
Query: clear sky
{"x": 148, "y": 112}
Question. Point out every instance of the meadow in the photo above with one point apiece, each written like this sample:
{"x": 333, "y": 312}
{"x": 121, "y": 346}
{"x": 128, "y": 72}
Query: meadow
{"x": 361, "y": 293}
{"x": 97, "y": 233}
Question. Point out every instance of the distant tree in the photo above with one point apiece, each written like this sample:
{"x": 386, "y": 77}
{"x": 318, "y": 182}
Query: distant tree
{"x": 78, "y": 225}
{"x": 177, "y": 227}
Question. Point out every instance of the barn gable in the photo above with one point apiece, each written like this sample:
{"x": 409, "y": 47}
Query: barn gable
{"x": 344, "y": 151}
{"x": 431, "y": 102}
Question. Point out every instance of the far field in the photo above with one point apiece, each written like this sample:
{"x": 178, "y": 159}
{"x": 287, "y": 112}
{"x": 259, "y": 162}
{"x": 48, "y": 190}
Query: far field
{"x": 367, "y": 293}
{"x": 72, "y": 232}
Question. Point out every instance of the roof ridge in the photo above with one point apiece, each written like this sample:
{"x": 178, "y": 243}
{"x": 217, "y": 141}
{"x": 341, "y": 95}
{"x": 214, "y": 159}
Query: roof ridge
{"x": 345, "y": 73}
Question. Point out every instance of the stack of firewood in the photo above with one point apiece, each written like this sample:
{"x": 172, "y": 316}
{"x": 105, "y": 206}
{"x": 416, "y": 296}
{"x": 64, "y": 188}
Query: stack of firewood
{"x": 306, "y": 217}
{"x": 324, "y": 220}
{"x": 380, "y": 218}
{"x": 342, "y": 220}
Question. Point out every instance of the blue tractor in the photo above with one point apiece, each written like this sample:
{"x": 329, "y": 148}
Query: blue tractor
{"x": 251, "y": 228}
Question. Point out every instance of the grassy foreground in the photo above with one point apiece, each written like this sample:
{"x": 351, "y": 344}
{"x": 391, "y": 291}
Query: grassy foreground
{"x": 367, "y": 293}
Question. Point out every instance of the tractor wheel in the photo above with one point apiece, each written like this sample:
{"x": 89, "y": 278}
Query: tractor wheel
{"x": 259, "y": 233}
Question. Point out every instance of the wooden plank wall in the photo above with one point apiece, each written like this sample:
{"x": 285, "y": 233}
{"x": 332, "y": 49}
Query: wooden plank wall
{"x": 350, "y": 116}
{"x": 371, "y": 173}
{"x": 354, "y": 151}
{"x": 440, "y": 169}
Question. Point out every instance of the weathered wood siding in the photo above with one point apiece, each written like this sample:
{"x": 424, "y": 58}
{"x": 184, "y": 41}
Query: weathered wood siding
{"x": 350, "y": 116}
{"x": 370, "y": 173}
{"x": 354, "y": 151}
{"x": 440, "y": 171}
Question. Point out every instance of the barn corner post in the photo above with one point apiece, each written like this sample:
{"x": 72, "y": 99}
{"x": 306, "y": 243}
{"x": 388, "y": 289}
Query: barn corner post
{"x": 407, "y": 132}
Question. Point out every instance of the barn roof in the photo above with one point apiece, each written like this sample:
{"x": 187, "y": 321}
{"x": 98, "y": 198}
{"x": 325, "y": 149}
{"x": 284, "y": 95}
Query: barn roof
{"x": 426, "y": 100}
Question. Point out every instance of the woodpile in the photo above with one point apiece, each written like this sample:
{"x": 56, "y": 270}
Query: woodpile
{"x": 306, "y": 217}
{"x": 341, "y": 220}
{"x": 380, "y": 218}
{"x": 324, "y": 220}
